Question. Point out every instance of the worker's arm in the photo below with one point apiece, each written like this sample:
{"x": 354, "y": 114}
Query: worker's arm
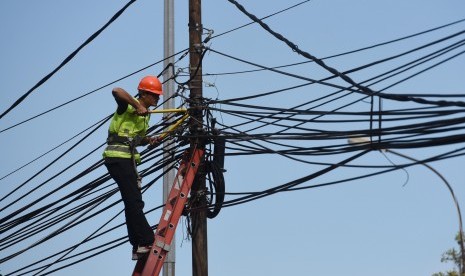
{"x": 123, "y": 99}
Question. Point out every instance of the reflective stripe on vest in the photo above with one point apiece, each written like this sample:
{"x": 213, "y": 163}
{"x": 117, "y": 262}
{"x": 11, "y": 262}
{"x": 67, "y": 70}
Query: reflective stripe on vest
{"x": 118, "y": 148}
{"x": 121, "y": 151}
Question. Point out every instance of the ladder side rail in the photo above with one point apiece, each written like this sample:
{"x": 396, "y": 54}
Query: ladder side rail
{"x": 153, "y": 263}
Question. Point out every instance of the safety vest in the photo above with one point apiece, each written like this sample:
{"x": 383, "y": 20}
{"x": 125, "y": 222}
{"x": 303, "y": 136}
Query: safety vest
{"x": 124, "y": 128}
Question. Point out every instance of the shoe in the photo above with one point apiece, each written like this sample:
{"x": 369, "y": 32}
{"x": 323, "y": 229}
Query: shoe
{"x": 142, "y": 249}
{"x": 140, "y": 252}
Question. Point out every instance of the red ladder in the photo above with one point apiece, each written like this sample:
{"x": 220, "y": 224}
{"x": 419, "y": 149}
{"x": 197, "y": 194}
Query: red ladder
{"x": 152, "y": 264}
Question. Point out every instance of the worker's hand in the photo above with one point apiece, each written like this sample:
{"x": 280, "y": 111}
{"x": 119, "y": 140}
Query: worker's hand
{"x": 141, "y": 110}
{"x": 154, "y": 141}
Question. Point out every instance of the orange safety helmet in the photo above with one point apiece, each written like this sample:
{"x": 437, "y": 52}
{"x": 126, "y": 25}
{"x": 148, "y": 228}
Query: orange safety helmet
{"x": 150, "y": 84}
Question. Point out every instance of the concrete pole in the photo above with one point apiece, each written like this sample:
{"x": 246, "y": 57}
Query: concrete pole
{"x": 168, "y": 91}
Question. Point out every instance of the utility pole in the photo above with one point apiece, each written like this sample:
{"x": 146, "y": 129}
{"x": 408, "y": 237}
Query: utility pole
{"x": 168, "y": 150}
{"x": 198, "y": 214}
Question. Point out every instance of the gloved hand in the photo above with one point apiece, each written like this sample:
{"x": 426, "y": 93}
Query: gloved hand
{"x": 154, "y": 142}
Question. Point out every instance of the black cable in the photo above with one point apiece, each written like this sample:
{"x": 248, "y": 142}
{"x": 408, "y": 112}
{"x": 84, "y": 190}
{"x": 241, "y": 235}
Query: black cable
{"x": 293, "y": 183}
{"x": 110, "y": 246}
{"x": 265, "y": 17}
{"x": 214, "y": 176}
{"x": 42, "y": 155}
{"x": 78, "y": 194}
{"x": 48, "y": 237}
{"x": 395, "y": 97}
{"x": 450, "y": 154}
{"x": 98, "y": 89}
{"x": 72, "y": 180}
{"x": 255, "y": 195}
{"x": 54, "y": 161}
{"x": 431, "y": 56}
{"x": 55, "y": 215}
{"x": 362, "y": 89}
{"x": 344, "y": 53}
{"x": 270, "y": 108}
{"x": 429, "y": 128}
{"x": 67, "y": 59}
{"x": 452, "y": 139}
{"x": 86, "y": 240}
{"x": 100, "y": 123}
{"x": 437, "y": 54}
{"x": 76, "y": 222}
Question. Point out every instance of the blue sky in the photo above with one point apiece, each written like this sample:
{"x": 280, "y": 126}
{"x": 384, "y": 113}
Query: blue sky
{"x": 393, "y": 224}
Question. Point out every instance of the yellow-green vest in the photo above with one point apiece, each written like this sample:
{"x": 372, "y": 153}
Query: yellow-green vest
{"x": 129, "y": 125}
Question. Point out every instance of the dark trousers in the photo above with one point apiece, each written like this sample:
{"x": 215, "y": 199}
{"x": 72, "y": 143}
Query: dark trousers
{"x": 122, "y": 171}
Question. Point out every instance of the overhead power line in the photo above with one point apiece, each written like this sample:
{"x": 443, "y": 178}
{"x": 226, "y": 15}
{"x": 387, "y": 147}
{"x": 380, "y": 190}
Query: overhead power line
{"x": 362, "y": 89}
{"x": 67, "y": 59}
{"x": 255, "y": 130}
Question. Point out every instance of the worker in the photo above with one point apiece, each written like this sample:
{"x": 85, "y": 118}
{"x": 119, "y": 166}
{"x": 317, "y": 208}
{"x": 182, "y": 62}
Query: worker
{"x": 127, "y": 130}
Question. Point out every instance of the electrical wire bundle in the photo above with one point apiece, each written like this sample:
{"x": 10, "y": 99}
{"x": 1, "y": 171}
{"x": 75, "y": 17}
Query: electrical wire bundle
{"x": 311, "y": 129}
